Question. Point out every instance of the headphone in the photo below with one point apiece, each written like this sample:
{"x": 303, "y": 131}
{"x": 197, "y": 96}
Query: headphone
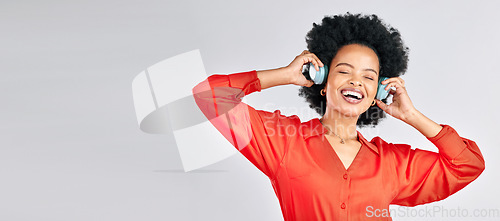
{"x": 320, "y": 77}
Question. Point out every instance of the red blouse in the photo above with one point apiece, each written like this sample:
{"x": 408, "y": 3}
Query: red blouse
{"x": 308, "y": 177}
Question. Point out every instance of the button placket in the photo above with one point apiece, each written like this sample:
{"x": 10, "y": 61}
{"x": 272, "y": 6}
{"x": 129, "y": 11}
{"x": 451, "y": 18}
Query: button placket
{"x": 345, "y": 190}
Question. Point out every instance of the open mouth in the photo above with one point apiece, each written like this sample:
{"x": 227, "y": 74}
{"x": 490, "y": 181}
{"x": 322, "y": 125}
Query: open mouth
{"x": 352, "y": 96}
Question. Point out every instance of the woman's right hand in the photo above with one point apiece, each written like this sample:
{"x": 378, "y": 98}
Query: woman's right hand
{"x": 295, "y": 68}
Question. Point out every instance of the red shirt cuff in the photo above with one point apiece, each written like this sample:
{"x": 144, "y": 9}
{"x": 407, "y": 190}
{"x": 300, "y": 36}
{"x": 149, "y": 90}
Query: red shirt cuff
{"x": 247, "y": 81}
{"x": 449, "y": 143}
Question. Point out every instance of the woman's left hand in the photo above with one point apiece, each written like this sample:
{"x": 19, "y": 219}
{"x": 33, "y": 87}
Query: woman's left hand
{"x": 401, "y": 106}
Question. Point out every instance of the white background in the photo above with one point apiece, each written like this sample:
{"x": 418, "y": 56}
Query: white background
{"x": 70, "y": 146}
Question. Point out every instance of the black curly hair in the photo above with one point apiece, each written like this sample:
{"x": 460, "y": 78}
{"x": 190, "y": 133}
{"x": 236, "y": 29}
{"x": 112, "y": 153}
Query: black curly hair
{"x": 336, "y": 31}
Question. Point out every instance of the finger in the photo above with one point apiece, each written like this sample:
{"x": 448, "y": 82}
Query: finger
{"x": 385, "y": 107}
{"x": 316, "y": 64}
{"x": 388, "y": 86}
{"x": 306, "y": 83}
{"x": 313, "y": 61}
{"x": 396, "y": 79}
{"x": 392, "y": 85}
{"x": 402, "y": 81}
{"x": 382, "y": 105}
{"x": 317, "y": 59}
{"x": 387, "y": 81}
{"x": 395, "y": 84}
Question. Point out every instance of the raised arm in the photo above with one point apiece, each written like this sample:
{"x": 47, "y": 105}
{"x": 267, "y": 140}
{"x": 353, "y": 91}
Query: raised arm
{"x": 426, "y": 176}
{"x": 259, "y": 135}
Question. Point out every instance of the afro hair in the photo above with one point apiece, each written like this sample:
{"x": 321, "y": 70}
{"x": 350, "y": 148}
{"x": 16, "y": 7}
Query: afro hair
{"x": 326, "y": 39}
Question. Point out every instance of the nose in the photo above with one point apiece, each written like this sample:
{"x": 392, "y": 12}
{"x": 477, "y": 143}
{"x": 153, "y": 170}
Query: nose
{"x": 355, "y": 83}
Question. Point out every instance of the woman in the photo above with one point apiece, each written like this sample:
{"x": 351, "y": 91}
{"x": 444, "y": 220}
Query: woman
{"x": 324, "y": 169}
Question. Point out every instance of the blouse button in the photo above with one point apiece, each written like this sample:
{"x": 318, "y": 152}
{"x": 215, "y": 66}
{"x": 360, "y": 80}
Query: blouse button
{"x": 342, "y": 206}
{"x": 345, "y": 176}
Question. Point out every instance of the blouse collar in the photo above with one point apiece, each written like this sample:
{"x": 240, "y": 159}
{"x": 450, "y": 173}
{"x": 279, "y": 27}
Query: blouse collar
{"x": 314, "y": 127}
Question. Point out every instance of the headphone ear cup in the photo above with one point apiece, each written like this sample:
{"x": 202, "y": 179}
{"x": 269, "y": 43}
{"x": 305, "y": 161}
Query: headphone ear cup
{"x": 381, "y": 92}
{"x": 319, "y": 77}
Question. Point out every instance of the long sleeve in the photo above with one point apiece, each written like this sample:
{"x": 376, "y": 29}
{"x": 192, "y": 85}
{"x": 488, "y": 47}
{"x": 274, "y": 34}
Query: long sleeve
{"x": 259, "y": 135}
{"x": 426, "y": 176}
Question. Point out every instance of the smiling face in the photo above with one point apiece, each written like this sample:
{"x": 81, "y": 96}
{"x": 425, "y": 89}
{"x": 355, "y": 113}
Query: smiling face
{"x": 352, "y": 80}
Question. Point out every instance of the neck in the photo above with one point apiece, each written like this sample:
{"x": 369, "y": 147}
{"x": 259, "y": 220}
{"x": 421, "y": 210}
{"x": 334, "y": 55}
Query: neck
{"x": 343, "y": 126}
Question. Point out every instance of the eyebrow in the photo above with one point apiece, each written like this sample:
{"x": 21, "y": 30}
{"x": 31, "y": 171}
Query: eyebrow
{"x": 350, "y": 65}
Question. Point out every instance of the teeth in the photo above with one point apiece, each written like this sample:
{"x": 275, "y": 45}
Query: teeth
{"x": 346, "y": 92}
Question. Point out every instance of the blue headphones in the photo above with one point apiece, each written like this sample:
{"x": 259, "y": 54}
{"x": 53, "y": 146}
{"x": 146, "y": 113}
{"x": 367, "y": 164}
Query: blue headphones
{"x": 320, "y": 77}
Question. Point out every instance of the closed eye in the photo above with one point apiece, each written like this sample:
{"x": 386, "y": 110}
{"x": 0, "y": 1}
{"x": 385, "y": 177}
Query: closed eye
{"x": 369, "y": 78}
